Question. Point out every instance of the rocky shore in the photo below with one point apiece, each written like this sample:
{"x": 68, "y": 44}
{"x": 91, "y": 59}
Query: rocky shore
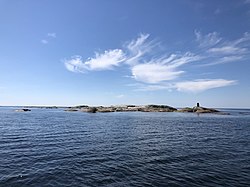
{"x": 130, "y": 108}
{"x": 124, "y": 108}
{"x": 22, "y": 110}
{"x": 143, "y": 108}
{"x": 198, "y": 110}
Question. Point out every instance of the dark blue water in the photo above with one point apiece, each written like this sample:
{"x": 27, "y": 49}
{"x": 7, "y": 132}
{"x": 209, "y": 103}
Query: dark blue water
{"x": 57, "y": 148}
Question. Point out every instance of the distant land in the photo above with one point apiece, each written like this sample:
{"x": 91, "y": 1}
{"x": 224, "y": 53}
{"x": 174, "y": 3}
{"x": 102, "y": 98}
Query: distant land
{"x": 127, "y": 108}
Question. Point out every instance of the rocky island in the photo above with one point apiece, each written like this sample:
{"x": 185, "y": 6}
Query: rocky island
{"x": 129, "y": 108}
{"x": 124, "y": 108}
{"x": 22, "y": 110}
{"x": 142, "y": 108}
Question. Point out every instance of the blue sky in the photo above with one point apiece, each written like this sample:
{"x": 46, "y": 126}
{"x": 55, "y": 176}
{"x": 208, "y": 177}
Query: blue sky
{"x": 94, "y": 52}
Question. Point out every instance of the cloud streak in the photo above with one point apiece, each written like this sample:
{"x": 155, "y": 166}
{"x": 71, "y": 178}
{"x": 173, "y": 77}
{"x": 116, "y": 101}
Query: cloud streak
{"x": 225, "y": 59}
{"x": 208, "y": 40}
{"x": 154, "y": 73}
{"x": 104, "y": 61}
{"x": 75, "y": 64}
{"x": 202, "y": 85}
{"x": 230, "y": 50}
{"x": 193, "y": 86}
{"x": 219, "y": 51}
{"x": 52, "y": 35}
{"x": 138, "y": 48}
{"x": 120, "y": 96}
{"x": 44, "y": 41}
{"x": 162, "y": 68}
{"x": 49, "y": 36}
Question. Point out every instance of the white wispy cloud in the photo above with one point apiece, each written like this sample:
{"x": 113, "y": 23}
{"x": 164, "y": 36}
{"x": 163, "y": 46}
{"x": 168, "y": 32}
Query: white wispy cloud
{"x": 154, "y": 73}
{"x": 216, "y": 44}
{"x": 51, "y": 34}
{"x": 48, "y": 38}
{"x": 162, "y": 68}
{"x": 229, "y": 49}
{"x": 216, "y": 50}
{"x": 207, "y": 40}
{"x": 243, "y": 40}
{"x": 101, "y": 61}
{"x": 75, "y": 64}
{"x": 138, "y": 44}
{"x": 120, "y": 96}
{"x": 153, "y": 87}
{"x": 138, "y": 48}
{"x": 44, "y": 41}
{"x": 202, "y": 85}
{"x": 193, "y": 86}
{"x": 106, "y": 60}
{"x": 225, "y": 59}
{"x": 183, "y": 59}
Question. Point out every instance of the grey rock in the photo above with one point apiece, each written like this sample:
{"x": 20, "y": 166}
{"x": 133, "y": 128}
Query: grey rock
{"x": 71, "y": 110}
{"x": 186, "y": 109}
{"x": 204, "y": 110}
{"x": 91, "y": 110}
{"x": 22, "y": 110}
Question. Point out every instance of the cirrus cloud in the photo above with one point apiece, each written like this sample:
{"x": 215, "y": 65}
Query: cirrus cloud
{"x": 107, "y": 60}
{"x": 220, "y": 51}
{"x": 162, "y": 68}
{"x": 192, "y": 86}
{"x": 202, "y": 85}
{"x": 44, "y": 41}
{"x": 207, "y": 40}
{"x": 104, "y": 61}
{"x": 228, "y": 50}
{"x": 154, "y": 73}
{"x": 75, "y": 64}
{"x": 49, "y": 36}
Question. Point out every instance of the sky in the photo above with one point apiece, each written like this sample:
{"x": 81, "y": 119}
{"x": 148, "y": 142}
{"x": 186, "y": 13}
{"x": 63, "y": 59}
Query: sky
{"x": 113, "y": 52}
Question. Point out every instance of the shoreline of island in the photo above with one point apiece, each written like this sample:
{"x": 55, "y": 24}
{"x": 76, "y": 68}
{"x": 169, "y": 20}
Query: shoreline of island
{"x": 127, "y": 108}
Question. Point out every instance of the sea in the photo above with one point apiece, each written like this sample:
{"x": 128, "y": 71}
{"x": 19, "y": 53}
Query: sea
{"x": 51, "y": 147}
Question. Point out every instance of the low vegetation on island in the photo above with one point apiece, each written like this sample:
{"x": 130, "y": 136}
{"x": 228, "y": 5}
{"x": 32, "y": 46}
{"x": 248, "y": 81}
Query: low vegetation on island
{"x": 142, "y": 108}
{"x": 130, "y": 108}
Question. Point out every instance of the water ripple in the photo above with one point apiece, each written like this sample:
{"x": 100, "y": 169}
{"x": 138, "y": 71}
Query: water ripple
{"x": 45, "y": 148}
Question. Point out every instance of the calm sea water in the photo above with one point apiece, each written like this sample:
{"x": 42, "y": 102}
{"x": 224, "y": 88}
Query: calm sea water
{"x": 56, "y": 148}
